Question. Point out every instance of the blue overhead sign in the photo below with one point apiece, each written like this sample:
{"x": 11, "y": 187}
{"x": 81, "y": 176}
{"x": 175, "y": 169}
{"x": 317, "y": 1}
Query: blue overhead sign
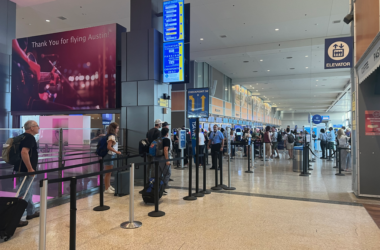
{"x": 325, "y": 118}
{"x": 317, "y": 119}
{"x": 173, "y": 20}
{"x": 338, "y": 52}
{"x": 174, "y": 62}
{"x": 197, "y": 103}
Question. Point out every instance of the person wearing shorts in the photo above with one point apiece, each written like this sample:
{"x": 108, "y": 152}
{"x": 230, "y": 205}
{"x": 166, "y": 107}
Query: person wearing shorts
{"x": 289, "y": 146}
{"x": 112, "y": 146}
{"x": 274, "y": 143}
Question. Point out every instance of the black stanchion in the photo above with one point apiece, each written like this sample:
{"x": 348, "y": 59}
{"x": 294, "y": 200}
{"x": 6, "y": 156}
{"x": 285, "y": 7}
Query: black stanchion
{"x": 73, "y": 212}
{"x": 145, "y": 179}
{"x": 340, "y": 162}
{"x": 205, "y": 191}
{"x": 308, "y": 157}
{"x": 249, "y": 159}
{"x": 156, "y": 212}
{"x": 101, "y": 207}
{"x": 305, "y": 163}
{"x": 197, "y": 193}
{"x": 337, "y": 159}
{"x": 217, "y": 187}
{"x": 329, "y": 150}
{"x": 190, "y": 197}
{"x": 221, "y": 169}
{"x": 206, "y": 153}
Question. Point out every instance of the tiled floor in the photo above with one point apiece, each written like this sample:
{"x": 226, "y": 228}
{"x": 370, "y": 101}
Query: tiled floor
{"x": 273, "y": 208}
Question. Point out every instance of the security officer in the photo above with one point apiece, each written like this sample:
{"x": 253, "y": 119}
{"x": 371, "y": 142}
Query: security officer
{"x": 216, "y": 140}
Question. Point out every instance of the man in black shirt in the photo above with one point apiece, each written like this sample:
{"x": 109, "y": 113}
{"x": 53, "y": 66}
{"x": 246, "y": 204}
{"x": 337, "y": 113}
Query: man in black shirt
{"x": 29, "y": 162}
{"x": 165, "y": 168}
{"x": 153, "y": 134}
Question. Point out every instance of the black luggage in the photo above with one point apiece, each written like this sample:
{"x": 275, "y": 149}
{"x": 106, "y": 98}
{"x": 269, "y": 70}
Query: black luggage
{"x": 11, "y": 211}
{"x": 122, "y": 183}
{"x": 148, "y": 192}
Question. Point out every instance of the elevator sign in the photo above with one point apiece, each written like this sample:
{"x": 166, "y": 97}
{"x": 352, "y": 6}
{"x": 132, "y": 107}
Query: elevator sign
{"x": 198, "y": 103}
{"x": 338, "y": 52}
{"x": 174, "y": 62}
{"x": 173, "y": 20}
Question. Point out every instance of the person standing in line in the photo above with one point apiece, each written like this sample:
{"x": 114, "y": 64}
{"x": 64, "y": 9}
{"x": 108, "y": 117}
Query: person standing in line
{"x": 112, "y": 146}
{"x": 348, "y": 132}
{"x": 153, "y": 134}
{"x": 331, "y": 140}
{"x": 267, "y": 141}
{"x": 216, "y": 140}
{"x": 275, "y": 143}
{"x": 323, "y": 144}
{"x": 171, "y": 152}
{"x": 201, "y": 148}
{"x": 165, "y": 166}
{"x": 28, "y": 164}
{"x": 232, "y": 138}
{"x": 246, "y": 137}
{"x": 289, "y": 142}
{"x": 343, "y": 144}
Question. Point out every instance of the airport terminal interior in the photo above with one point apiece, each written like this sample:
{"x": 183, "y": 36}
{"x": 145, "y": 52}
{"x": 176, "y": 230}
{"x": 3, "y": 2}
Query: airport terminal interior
{"x": 189, "y": 124}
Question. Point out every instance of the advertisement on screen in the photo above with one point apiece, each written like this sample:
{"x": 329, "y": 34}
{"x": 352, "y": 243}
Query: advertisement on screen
{"x": 66, "y": 71}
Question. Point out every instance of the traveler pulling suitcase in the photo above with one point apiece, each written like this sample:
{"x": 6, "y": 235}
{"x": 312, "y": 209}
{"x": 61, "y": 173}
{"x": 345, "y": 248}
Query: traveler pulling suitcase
{"x": 122, "y": 183}
{"x": 11, "y": 211}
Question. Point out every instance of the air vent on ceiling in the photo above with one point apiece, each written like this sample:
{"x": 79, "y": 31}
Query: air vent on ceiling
{"x": 336, "y": 21}
{"x": 223, "y": 36}
{"x": 292, "y": 68}
{"x": 255, "y": 71}
{"x": 246, "y": 61}
{"x": 289, "y": 57}
{"x": 62, "y": 18}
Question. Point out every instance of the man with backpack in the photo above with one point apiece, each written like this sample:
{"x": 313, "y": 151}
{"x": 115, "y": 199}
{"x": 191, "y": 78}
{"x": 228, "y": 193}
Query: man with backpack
{"x": 289, "y": 140}
{"x": 28, "y": 164}
{"x": 153, "y": 134}
{"x": 275, "y": 141}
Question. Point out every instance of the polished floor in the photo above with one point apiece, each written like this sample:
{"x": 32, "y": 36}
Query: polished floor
{"x": 273, "y": 208}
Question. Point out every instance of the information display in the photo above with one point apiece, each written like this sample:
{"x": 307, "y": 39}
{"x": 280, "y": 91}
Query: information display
{"x": 182, "y": 139}
{"x": 198, "y": 103}
{"x": 173, "y": 20}
{"x": 174, "y": 62}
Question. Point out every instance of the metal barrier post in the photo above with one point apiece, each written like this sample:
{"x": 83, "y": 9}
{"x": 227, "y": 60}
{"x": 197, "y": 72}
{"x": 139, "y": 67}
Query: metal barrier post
{"x": 60, "y": 158}
{"x": 145, "y": 180}
{"x": 131, "y": 224}
{"x": 217, "y": 187}
{"x": 197, "y": 193}
{"x": 101, "y": 207}
{"x": 73, "y": 212}
{"x": 329, "y": 150}
{"x": 229, "y": 170}
{"x": 156, "y": 212}
{"x": 221, "y": 169}
{"x": 340, "y": 162}
{"x": 206, "y": 157}
{"x": 249, "y": 161}
{"x": 43, "y": 211}
{"x": 337, "y": 158}
{"x": 190, "y": 197}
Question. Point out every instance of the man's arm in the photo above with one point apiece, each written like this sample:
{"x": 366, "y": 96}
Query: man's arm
{"x": 166, "y": 154}
{"x": 26, "y": 159}
{"x": 221, "y": 149}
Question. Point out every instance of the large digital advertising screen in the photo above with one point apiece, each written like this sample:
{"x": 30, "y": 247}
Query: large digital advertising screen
{"x": 66, "y": 71}
{"x": 173, "y": 20}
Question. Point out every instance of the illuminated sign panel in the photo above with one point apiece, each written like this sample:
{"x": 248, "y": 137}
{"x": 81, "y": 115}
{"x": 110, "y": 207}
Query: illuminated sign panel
{"x": 174, "y": 62}
{"x": 173, "y": 14}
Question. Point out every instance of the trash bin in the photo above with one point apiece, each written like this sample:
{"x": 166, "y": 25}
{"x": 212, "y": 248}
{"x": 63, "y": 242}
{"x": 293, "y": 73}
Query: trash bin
{"x": 298, "y": 159}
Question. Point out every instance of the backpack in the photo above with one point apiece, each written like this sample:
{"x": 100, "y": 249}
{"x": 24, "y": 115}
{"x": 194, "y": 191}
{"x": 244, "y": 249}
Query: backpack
{"x": 143, "y": 146}
{"x": 11, "y": 152}
{"x": 279, "y": 137}
{"x": 290, "y": 138}
{"x": 101, "y": 148}
{"x": 148, "y": 192}
{"x": 156, "y": 148}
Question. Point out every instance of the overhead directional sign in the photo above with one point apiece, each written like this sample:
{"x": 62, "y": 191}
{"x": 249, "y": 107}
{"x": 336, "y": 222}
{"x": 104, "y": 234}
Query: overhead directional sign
{"x": 338, "y": 52}
{"x": 174, "y": 62}
{"x": 173, "y": 20}
{"x": 198, "y": 103}
{"x": 317, "y": 119}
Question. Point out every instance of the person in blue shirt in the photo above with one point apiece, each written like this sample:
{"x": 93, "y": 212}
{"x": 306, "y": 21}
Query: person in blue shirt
{"x": 331, "y": 139}
{"x": 216, "y": 140}
{"x": 323, "y": 139}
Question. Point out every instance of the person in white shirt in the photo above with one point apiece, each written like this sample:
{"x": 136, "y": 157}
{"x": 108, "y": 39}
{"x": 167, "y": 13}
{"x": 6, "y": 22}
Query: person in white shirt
{"x": 274, "y": 143}
{"x": 344, "y": 146}
{"x": 112, "y": 146}
{"x": 201, "y": 147}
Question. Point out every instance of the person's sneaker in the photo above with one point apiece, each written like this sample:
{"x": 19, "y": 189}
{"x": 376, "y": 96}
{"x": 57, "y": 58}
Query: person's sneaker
{"x": 165, "y": 193}
{"x": 171, "y": 180}
{"x": 277, "y": 157}
{"x": 109, "y": 191}
{"x": 112, "y": 188}
{"x": 35, "y": 215}
{"x": 22, "y": 223}
{"x": 212, "y": 168}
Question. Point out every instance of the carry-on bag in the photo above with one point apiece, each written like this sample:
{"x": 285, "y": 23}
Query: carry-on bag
{"x": 11, "y": 211}
{"x": 122, "y": 183}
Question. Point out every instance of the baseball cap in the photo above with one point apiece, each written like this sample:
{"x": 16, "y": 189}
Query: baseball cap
{"x": 165, "y": 124}
{"x": 158, "y": 121}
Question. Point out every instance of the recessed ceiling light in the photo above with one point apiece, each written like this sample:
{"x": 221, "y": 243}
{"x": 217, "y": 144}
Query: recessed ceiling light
{"x": 316, "y": 85}
{"x": 48, "y": 21}
{"x": 201, "y": 39}
{"x": 262, "y": 88}
{"x": 317, "y": 80}
{"x": 268, "y": 70}
{"x": 256, "y": 90}
{"x": 307, "y": 67}
{"x": 306, "y": 56}
{"x": 261, "y": 60}
{"x": 226, "y": 89}
{"x": 30, "y": 24}
{"x": 276, "y": 29}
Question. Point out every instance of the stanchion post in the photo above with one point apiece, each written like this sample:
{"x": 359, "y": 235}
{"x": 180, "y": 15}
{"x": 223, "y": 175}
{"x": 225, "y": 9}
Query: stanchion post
{"x": 206, "y": 155}
{"x": 229, "y": 168}
{"x": 43, "y": 211}
{"x": 197, "y": 193}
{"x": 145, "y": 179}
{"x": 304, "y": 163}
{"x": 249, "y": 161}
{"x": 336, "y": 159}
{"x": 329, "y": 150}
{"x": 340, "y": 162}
{"x": 101, "y": 207}
{"x": 190, "y": 197}
{"x": 131, "y": 224}
{"x": 73, "y": 212}
{"x": 156, "y": 212}
{"x": 217, "y": 187}
{"x": 205, "y": 191}
{"x": 60, "y": 159}
{"x": 308, "y": 157}
{"x": 221, "y": 169}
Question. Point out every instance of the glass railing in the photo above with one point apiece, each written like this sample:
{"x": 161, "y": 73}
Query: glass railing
{"x": 58, "y": 148}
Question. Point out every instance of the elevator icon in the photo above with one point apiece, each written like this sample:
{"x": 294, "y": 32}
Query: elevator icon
{"x": 338, "y": 52}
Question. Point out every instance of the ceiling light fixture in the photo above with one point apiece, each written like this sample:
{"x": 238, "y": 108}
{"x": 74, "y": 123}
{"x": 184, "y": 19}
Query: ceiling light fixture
{"x": 48, "y": 21}
{"x": 307, "y": 67}
{"x": 276, "y": 29}
{"x": 306, "y": 56}
{"x": 268, "y": 70}
{"x": 201, "y": 39}
{"x": 261, "y": 60}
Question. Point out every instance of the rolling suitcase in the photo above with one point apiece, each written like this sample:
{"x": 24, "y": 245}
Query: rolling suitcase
{"x": 11, "y": 211}
{"x": 122, "y": 183}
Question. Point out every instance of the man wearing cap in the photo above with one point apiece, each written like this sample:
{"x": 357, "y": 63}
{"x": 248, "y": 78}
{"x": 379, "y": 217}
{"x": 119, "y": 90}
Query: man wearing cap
{"x": 166, "y": 125}
{"x": 152, "y": 135}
